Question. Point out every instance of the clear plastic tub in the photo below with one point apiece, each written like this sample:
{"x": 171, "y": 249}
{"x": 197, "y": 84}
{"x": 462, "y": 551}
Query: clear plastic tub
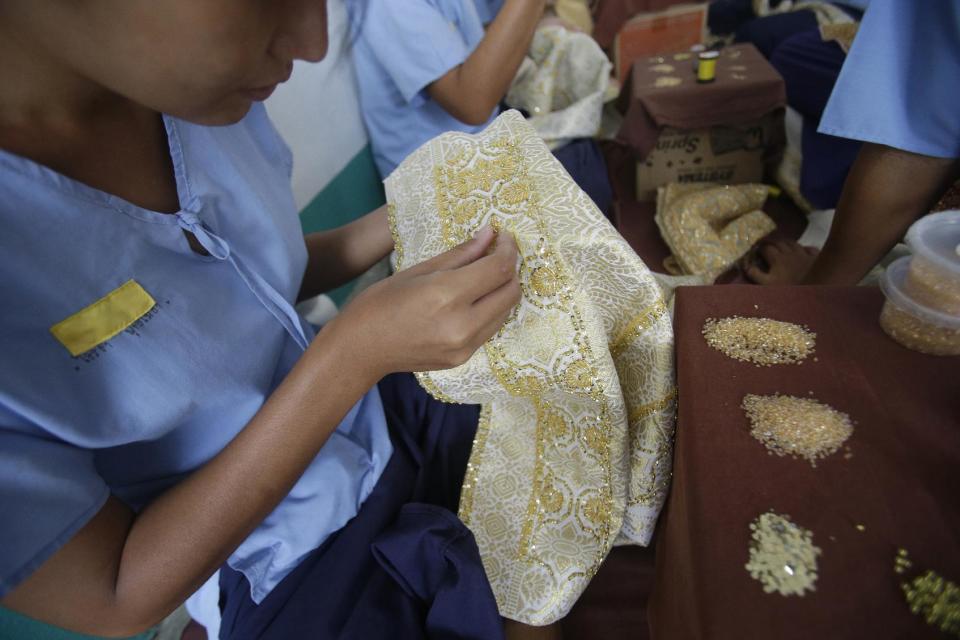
{"x": 912, "y": 324}
{"x": 933, "y": 279}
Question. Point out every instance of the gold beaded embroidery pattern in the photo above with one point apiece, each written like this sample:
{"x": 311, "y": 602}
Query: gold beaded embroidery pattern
{"x": 575, "y": 439}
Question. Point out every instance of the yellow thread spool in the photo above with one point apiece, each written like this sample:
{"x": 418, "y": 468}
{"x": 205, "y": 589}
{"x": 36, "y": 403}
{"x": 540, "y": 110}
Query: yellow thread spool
{"x": 707, "y": 67}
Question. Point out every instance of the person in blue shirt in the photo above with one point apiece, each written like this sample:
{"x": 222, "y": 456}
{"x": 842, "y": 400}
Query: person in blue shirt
{"x": 425, "y": 67}
{"x": 164, "y": 411}
{"x": 790, "y": 38}
{"x": 898, "y": 94}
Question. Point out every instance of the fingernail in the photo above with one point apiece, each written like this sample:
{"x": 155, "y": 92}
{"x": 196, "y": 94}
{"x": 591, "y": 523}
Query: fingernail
{"x": 485, "y": 233}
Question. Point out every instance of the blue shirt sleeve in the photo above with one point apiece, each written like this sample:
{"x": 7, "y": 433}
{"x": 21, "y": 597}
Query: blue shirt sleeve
{"x": 49, "y": 489}
{"x": 899, "y": 85}
{"x": 413, "y": 42}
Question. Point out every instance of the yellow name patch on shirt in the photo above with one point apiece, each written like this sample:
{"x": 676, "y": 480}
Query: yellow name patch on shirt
{"x": 105, "y": 318}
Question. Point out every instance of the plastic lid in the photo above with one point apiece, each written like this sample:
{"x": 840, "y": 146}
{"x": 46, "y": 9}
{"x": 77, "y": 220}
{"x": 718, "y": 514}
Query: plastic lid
{"x": 936, "y": 237}
{"x": 892, "y": 285}
{"x": 709, "y": 55}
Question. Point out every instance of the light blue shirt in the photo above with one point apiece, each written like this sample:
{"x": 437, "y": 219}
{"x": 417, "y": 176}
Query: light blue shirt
{"x": 900, "y": 84}
{"x": 401, "y": 47}
{"x": 132, "y": 416}
{"x": 488, "y": 9}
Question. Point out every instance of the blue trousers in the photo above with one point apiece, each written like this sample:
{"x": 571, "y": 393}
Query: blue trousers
{"x": 405, "y": 567}
{"x": 810, "y": 67}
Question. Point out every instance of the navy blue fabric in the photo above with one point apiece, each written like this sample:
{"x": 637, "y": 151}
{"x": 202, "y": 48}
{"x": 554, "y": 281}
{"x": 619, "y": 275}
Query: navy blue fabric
{"x": 810, "y": 68}
{"x": 769, "y": 32}
{"x": 430, "y": 554}
{"x": 737, "y": 16}
{"x": 424, "y": 580}
{"x": 585, "y": 164}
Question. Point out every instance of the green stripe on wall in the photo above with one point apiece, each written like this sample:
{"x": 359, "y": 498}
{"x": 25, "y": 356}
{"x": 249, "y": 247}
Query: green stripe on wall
{"x": 354, "y": 191}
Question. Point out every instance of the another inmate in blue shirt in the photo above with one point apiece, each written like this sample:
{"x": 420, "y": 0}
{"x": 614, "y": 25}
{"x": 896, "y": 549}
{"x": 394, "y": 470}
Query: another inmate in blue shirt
{"x": 900, "y": 83}
{"x": 400, "y": 49}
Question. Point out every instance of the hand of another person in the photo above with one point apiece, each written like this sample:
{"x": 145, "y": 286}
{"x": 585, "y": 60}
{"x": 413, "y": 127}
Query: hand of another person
{"x": 787, "y": 263}
{"x": 436, "y": 314}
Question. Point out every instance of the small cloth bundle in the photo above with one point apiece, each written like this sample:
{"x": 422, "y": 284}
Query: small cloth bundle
{"x": 562, "y": 84}
{"x": 575, "y": 440}
{"x": 708, "y": 228}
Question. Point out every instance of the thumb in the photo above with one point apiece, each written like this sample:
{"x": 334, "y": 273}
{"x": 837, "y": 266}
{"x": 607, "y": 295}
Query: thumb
{"x": 755, "y": 273}
{"x": 459, "y": 256}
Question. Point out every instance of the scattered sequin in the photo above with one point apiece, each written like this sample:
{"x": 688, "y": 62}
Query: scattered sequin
{"x": 901, "y": 563}
{"x": 667, "y": 81}
{"x": 931, "y": 596}
{"x": 788, "y": 425}
{"x": 663, "y": 68}
{"x": 762, "y": 341}
{"x": 783, "y": 557}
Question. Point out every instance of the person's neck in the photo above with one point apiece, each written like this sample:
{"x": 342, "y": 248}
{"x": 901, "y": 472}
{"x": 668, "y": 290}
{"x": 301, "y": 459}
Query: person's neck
{"x": 41, "y": 91}
{"x": 54, "y": 116}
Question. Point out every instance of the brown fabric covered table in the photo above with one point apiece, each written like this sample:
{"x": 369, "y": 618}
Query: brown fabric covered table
{"x": 902, "y": 483}
{"x": 746, "y": 88}
{"x": 610, "y": 15}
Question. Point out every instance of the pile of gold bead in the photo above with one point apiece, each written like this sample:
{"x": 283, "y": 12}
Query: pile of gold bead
{"x": 762, "y": 341}
{"x": 783, "y": 557}
{"x": 930, "y": 596}
{"x": 936, "y": 290}
{"x": 932, "y": 286}
{"x": 917, "y": 334}
{"x": 787, "y": 425}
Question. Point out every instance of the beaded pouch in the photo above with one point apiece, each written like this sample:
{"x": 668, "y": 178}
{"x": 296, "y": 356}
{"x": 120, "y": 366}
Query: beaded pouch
{"x": 708, "y": 228}
{"x": 574, "y": 446}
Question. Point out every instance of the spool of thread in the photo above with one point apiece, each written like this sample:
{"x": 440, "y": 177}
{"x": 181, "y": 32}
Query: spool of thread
{"x": 707, "y": 66}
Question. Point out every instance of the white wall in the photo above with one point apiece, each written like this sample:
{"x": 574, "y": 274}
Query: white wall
{"x": 317, "y": 112}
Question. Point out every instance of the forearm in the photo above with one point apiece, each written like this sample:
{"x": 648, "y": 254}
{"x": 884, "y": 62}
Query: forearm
{"x": 340, "y": 255}
{"x": 227, "y": 498}
{"x": 886, "y": 191}
{"x": 131, "y": 572}
{"x": 472, "y": 90}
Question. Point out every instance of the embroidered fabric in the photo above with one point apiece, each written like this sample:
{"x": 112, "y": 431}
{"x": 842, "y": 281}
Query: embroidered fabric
{"x": 825, "y": 12}
{"x": 576, "y": 433}
{"x": 561, "y": 84}
{"x": 708, "y": 228}
{"x": 576, "y": 13}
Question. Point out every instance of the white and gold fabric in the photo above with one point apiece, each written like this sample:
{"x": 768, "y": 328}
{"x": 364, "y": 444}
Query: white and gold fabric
{"x": 708, "y": 227}
{"x": 574, "y": 446}
{"x": 576, "y": 13}
{"x": 562, "y": 84}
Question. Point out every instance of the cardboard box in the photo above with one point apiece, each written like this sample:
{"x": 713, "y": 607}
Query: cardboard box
{"x": 669, "y": 31}
{"x": 721, "y": 154}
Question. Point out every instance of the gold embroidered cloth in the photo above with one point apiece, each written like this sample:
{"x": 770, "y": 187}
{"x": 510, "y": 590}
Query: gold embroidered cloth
{"x": 562, "y": 84}
{"x": 575, "y": 438}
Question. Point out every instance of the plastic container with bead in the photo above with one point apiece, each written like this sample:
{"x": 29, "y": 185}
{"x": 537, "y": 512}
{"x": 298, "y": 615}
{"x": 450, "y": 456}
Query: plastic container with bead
{"x": 911, "y": 323}
{"x": 933, "y": 278}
